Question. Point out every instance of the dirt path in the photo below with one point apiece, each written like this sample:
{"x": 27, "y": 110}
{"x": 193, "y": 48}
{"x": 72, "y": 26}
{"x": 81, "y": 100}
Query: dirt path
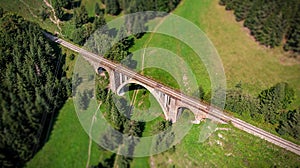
{"x": 143, "y": 58}
{"x": 152, "y": 164}
{"x": 55, "y": 20}
{"x": 28, "y": 7}
{"x": 90, "y": 136}
{"x": 149, "y": 39}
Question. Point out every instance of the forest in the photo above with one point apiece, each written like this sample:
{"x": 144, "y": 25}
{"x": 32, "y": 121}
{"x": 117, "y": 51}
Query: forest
{"x": 272, "y": 23}
{"x": 34, "y": 86}
{"x": 33, "y": 81}
{"x": 271, "y": 106}
{"x": 33, "y": 89}
{"x": 85, "y": 25}
{"x": 115, "y": 7}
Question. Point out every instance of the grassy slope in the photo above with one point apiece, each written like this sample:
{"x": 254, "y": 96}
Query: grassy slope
{"x": 225, "y": 148}
{"x": 226, "y": 35}
{"x": 68, "y": 143}
{"x": 173, "y": 45}
{"x": 69, "y": 64}
{"x": 255, "y": 66}
{"x": 244, "y": 59}
{"x": 29, "y": 9}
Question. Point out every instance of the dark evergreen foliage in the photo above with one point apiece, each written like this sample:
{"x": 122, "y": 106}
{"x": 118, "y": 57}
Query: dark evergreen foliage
{"x": 270, "y": 107}
{"x": 31, "y": 90}
{"x": 274, "y": 100}
{"x": 81, "y": 17}
{"x": 98, "y": 11}
{"x": 291, "y": 125}
{"x": 293, "y": 35}
{"x": 149, "y": 5}
{"x": 122, "y": 162}
{"x": 269, "y": 21}
{"x": 58, "y": 6}
{"x": 165, "y": 136}
{"x": 99, "y": 22}
{"x": 241, "y": 103}
{"x": 78, "y": 36}
{"x": 134, "y": 25}
{"x": 114, "y": 7}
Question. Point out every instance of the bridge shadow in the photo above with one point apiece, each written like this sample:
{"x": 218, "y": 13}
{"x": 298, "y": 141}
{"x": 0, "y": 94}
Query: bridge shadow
{"x": 67, "y": 17}
{"x": 129, "y": 62}
{"x": 132, "y": 87}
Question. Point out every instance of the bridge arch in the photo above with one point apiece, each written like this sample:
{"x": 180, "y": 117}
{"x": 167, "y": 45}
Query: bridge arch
{"x": 120, "y": 92}
{"x": 100, "y": 69}
{"x": 180, "y": 110}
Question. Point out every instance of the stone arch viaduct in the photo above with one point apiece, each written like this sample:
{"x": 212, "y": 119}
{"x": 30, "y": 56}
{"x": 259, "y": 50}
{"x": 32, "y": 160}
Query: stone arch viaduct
{"x": 171, "y": 101}
{"x": 171, "y": 104}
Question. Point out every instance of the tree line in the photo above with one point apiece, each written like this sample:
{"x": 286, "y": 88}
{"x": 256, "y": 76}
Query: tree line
{"x": 114, "y": 7}
{"x": 85, "y": 25}
{"x": 270, "y": 22}
{"x": 33, "y": 85}
{"x": 33, "y": 88}
{"x": 271, "y": 106}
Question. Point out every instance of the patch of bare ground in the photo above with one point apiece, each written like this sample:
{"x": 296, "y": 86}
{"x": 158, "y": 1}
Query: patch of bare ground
{"x": 55, "y": 20}
{"x": 289, "y": 60}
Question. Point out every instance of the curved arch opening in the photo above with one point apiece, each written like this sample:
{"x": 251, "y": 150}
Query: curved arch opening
{"x": 102, "y": 83}
{"x": 146, "y": 102}
{"x": 101, "y": 71}
{"x": 131, "y": 87}
{"x": 185, "y": 114}
{"x": 138, "y": 95}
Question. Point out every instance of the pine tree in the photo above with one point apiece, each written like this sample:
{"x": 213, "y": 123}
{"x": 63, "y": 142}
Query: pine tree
{"x": 275, "y": 99}
{"x": 99, "y": 22}
{"x": 293, "y": 35}
{"x": 291, "y": 125}
{"x": 58, "y": 11}
{"x": 269, "y": 21}
{"x": 81, "y": 16}
{"x": 30, "y": 89}
{"x": 98, "y": 11}
{"x": 112, "y": 7}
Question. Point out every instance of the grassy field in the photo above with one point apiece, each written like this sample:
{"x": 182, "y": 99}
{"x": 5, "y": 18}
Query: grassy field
{"x": 29, "y": 9}
{"x": 244, "y": 60}
{"x": 255, "y": 66}
{"x": 68, "y": 147}
{"x": 226, "y": 147}
{"x": 68, "y": 143}
{"x": 174, "y": 78}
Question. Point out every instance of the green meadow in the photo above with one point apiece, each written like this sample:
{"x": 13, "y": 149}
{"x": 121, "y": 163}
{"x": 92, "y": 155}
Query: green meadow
{"x": 244, "y": 60}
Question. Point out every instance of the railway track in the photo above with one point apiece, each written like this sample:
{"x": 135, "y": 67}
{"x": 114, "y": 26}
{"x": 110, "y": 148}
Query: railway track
{"x": 207, "y": 108}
